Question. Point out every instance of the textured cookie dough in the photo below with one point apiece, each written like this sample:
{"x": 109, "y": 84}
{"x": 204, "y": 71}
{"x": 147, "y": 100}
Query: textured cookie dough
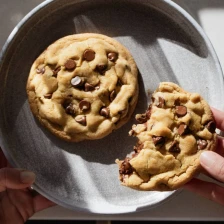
{"x": 83, "y": 86}
{"x": 172, "y": 133}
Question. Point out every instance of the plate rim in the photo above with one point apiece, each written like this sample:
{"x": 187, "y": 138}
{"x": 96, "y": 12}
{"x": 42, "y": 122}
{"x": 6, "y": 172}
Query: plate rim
{"x": 130, "y": 209}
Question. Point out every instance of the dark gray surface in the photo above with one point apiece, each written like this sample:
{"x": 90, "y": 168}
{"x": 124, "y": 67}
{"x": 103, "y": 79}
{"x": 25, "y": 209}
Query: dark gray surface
{"x": 171, "y": 52}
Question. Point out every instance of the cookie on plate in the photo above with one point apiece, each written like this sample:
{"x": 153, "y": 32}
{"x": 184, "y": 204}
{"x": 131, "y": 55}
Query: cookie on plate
{"x": 173, "y": 132}
{"x": 83, "y": 86}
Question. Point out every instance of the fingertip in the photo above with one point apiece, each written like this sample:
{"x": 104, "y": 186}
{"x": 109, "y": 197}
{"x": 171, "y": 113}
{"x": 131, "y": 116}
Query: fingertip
{"x": 213, "y": 163}
{"x": 15, "y": 179}
{"x": 207, "y": 158}
{"x": 218, "y": 116}
{"x": 27, "y": 177}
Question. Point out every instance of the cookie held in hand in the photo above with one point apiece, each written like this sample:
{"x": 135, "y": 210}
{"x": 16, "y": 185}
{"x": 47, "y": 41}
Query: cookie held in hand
{"x": 83, "y": 86}
{"x": 173, "y": 132}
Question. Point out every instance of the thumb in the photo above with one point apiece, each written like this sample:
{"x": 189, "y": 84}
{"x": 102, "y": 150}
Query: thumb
{"x": 15, "y": 178}
{"x": 213, "y": 163}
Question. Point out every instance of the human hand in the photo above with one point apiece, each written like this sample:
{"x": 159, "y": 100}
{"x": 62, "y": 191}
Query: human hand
{"x": 213, "y": 164}
{"x": 17, "y": 201}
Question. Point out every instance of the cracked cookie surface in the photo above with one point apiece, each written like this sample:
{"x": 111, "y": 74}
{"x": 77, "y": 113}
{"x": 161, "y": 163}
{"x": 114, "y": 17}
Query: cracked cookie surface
{"x": 172, "y": 133}
{"x": 83, "y": 86}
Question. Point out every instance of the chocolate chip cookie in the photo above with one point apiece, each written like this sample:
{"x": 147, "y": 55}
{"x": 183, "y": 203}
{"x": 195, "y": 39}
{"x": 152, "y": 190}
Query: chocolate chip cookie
{"x": 83, "y": 86}
{"x": 172, "y": 133}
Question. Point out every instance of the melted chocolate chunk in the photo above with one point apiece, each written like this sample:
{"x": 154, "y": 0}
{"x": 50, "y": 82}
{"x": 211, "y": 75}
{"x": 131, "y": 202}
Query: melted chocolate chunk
{"x": 161, "y": 102}
{"x": 70, "y": 109}
{"x": 125, "y": 167}
{"x": 141, "y": 118}
{"x": 177, "y": 102}
{"x": 211, "y": 126}
{"x": 148, "y": 112}
{"x": 202, "y": 144}
{"x": 174, "y": 147}
{"x": 66, "y": 102}
{"x": 157, "y": 140}
{"x": 138, "y": 147}
{"x": 183, "y": 129}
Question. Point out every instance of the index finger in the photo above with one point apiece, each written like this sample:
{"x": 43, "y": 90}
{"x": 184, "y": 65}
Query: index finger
{"x": 219, "y": 118}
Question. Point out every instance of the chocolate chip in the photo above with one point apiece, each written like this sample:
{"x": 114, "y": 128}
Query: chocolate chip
{"x": 112, "y": 56}
{"x": 105, "y": 112}
{"x": 119, "y": 82}
{"x": 97, "y": 87}
{"x": 40, "y": 70}
{"x": 148, "y": 112}
{"x": 182, "y": 129}
{"x": 211, "y": 126}
{"x": 151, "y": 127}
{"x": 89, "y": 55}
{"x": 55, "y": 71}
{"x": 174, "y": 147}
{"x": 70, "y": 64}
{"x": 138, "y": 147}
{"x": 70, "y": 109}
{"x": 158, "y": 140}
{"x": 84, "y": 105}
{"x": 161, "y": 102}
{"x": 76, "y": 81}
{"x": 141, "y": 118}
{"x": 202, "y": 144}
{"x": 48, "y": 95}
{"x": 89, "y": 87}
{"x": 113, "y": 95}
{"x": 181, "y": 111}
{"x": 101, "y": 68}
{"x": 81, "y": 120}
{"x": 177, "y": 102}
{"x": 66, "y": 102}
{"x": 125, "y": 167}
{"x": 153, "y": 99}
{"x": 132, "y": 132}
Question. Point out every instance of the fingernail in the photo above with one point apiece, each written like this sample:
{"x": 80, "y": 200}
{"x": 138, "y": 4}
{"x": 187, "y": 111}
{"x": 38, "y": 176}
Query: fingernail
{"x": 207, "y": 159}
{"x": 27, "y": 177}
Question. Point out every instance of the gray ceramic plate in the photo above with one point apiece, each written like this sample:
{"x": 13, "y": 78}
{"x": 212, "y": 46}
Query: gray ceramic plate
{"x": 167, "y": 44}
